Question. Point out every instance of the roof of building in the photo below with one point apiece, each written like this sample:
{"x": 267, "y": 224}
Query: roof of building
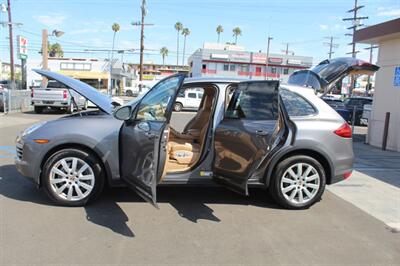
{"x": 379, "y": 32}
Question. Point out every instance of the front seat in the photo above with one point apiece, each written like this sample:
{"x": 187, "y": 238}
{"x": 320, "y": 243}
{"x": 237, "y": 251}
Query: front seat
{"x": 197, "y": 123}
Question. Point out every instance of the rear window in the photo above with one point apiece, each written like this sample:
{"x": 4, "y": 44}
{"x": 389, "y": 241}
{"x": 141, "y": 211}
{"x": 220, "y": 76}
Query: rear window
{"x": 295, "y": 104}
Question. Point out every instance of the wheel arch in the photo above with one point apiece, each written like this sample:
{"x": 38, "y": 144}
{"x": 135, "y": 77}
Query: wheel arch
{"x": 79, "y": 146}
{"x": 317, "y": 155}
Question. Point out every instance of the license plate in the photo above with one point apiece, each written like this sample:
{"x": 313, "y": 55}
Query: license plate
{"x": 48, "y": 102}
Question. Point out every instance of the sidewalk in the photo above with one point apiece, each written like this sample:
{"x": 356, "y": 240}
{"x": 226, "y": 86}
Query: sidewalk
{"x": 374, "y": 186}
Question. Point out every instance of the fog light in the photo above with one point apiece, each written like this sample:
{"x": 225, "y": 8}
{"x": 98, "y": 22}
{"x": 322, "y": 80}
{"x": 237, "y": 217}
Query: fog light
{"x": 347, "y": 175}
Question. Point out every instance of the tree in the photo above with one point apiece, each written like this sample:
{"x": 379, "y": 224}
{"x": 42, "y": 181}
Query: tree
{"x": 185, "y": 33}
{"x": 55, "y": 50}
{"x": 236, "y": 32}
{"x": 164, "y": 52}
{"x": 115, "y": 28}
{"x": 178, "y": 28}
{"x": 219, "y": 30}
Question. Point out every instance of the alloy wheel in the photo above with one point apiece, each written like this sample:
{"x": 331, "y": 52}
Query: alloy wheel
{"x": 72, "y": 179}
{"x": 300, "y": 183}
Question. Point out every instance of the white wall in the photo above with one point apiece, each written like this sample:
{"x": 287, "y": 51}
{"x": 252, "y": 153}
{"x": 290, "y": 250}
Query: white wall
{"x": 387, "y": 97}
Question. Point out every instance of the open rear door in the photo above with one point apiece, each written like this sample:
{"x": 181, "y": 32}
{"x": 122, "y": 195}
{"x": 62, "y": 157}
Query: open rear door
{"x": 144, "y": 138}
{"x": 253, "y": 129}
{"x": 326, "y": 74}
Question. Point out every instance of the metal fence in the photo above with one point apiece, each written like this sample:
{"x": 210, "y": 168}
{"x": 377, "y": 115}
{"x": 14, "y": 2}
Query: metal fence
{"x": 15, "y": 101}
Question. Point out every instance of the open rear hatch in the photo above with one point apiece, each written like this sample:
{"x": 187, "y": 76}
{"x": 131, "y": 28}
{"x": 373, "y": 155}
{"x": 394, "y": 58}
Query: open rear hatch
{"x": 326, "y": 74}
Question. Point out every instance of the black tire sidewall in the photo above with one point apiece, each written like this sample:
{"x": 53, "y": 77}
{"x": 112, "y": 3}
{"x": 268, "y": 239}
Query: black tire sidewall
{"x": 83, "y": 155}
{"x": 278, "y": 175}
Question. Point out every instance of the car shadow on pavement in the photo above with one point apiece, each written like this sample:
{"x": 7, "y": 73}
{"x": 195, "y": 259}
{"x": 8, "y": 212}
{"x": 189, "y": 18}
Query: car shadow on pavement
{"x": 191, "y": 203}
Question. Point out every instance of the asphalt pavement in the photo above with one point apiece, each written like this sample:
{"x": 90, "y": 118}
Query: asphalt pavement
{"x": 193, "y": 225}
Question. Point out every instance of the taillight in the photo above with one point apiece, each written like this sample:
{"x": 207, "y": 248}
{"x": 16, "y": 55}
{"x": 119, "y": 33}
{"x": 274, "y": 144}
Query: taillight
{"x": 31, "y": 93}
{"x": 344, "y": 131}
{"x": 65, "y": 94}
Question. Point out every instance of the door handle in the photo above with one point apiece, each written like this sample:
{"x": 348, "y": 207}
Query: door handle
{"x": 261, "y": 133}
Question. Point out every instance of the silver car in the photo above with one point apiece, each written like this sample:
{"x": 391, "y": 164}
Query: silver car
{"x": 246, "y": 133}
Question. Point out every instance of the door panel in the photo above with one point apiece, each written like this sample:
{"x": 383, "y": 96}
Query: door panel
{"x": 247, "y": 134}
{"x": 143, "y": 139}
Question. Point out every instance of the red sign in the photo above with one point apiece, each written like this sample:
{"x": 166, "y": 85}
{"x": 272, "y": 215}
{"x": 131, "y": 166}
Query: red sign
{"x": 275, "y": 60}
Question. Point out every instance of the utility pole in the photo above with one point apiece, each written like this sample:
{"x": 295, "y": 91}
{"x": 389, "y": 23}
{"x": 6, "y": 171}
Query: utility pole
{"x": 331, "y": 45}
{"x": 287, "y": 48}
{"x": 266, "y": 58}
{"x": 371, "y": 48}
{"x": 45, "y": 55}
{"x": 356, "y": 21}
{"x": 10, "y": 30}
{"x": 142, "y": 24}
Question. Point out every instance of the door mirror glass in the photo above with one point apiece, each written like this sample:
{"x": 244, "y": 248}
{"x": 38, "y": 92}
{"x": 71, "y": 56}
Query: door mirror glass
{"x": 123, "y": 113}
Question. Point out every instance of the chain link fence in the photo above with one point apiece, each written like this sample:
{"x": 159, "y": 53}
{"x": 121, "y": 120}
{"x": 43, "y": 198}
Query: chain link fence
{"x": 15, "y": 101}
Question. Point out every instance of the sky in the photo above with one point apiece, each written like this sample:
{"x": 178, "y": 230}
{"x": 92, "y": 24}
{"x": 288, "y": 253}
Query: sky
{"x": 303, "y": 24}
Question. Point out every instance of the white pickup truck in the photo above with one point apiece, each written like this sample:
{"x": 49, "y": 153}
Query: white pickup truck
{"x": 56, "y": 95}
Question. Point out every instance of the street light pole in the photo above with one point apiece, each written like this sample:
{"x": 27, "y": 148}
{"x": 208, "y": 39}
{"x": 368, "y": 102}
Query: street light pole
{"x": 266, "y": 58}
{"x": 10, "y": 30}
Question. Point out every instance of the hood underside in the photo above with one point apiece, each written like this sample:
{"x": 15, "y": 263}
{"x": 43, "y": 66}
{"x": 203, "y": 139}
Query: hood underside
{"x": 103, "y": 102}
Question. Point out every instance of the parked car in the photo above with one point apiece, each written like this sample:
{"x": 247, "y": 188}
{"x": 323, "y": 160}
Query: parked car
{"x": 278, "y": 137}
{"x": 57, "y": 95}
{"x": 188, "y": 100}
{"x": 366, "y": 115}
{"x": 339, "y": 107}
{"x": 358, "y": 103}
{"x": 3, "y": 97}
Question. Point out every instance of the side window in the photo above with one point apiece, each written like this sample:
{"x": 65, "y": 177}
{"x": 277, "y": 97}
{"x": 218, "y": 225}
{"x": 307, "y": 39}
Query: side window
{"x": 200, "y": 95}
{"x": 254, "y": 101}
{"x": 192, "y": 95}
{"x": 295, "y": 104}
{"x": 154, "y": 105}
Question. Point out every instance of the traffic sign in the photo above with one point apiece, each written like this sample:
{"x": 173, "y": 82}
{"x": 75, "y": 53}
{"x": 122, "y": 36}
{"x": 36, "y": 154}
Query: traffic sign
{"x": 22, "y": 50}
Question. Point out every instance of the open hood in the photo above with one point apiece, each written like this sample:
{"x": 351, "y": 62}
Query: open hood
{"x": 327, "y": 73}
{"x": 100, "y": 100}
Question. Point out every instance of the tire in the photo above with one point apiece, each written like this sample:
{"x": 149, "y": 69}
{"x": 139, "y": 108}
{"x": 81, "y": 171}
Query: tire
{"x": 89, "y": 187}
{"x": 178, "y": 107}
{"x": 70, "y": 109}
{"x": 38, "y": 109}
{"x": 129, "y": 93}
{"x": 280, "y": 187}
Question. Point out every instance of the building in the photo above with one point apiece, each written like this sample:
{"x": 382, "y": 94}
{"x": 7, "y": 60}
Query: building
{"x": 5, "y": 71}
{"x": 226, "y": 60}
{"x": 94, "y": 72}
{"x": 152, "y": 73}
{"x": 387, "y": 81}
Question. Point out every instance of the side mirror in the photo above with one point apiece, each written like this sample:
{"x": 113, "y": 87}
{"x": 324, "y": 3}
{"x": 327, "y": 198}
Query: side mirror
{"x": 123, "y": 113}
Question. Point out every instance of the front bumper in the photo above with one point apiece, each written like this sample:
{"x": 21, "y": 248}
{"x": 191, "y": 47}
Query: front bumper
{"x": 25, "y": 166}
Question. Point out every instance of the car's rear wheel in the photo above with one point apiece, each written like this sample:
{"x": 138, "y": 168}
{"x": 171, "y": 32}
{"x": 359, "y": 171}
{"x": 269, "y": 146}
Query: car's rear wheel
{"x": 178, "y": 107}
{"x": 70, "y": 109}
{"x": 298, "y": 183}
{"x": 73, "y": 177}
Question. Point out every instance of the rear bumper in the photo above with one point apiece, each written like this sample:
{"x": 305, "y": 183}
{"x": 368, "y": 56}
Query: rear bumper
{"x": 50, "y": 103}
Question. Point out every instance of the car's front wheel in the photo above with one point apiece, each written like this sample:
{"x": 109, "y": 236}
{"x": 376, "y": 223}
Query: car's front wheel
{"x": 73, "y": 177}
{"x": 298, "y": 183}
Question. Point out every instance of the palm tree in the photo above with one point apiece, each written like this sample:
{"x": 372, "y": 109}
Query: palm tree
{"x": 115, "y": 28}
{"x": 178, "y": 28}
{"x": 185, "y": 33}
{"x": 236, "y": 32}
{"x": 220, "y": 29}
{"x": 55, "y": 50}
{"x": 164, "y": 53}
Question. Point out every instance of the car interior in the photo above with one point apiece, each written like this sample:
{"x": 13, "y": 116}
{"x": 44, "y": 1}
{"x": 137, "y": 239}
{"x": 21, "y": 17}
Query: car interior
{"x": 185, "y": 147}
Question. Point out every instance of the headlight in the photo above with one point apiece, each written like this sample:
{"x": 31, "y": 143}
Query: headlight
{"x": 32, "y": 128}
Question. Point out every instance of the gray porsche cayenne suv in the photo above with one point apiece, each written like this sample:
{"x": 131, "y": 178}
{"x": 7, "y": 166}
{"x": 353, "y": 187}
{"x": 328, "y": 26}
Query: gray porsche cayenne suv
{"x": 280, "y": 137}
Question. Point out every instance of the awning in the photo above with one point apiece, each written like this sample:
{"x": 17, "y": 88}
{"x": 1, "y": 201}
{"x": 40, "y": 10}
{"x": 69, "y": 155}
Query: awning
{"x": 84, "y": 74}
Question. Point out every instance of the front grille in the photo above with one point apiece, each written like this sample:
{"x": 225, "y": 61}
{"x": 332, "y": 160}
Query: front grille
{"x": 20, "y": 150}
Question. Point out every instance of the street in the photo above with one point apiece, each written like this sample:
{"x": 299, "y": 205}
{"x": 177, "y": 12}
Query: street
{"x": 193, "y": 225}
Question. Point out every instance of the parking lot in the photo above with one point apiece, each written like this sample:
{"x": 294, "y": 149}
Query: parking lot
{"x": 356, "y": 222}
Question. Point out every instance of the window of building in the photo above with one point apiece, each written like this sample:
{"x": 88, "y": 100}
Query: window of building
{"x": 286, "y": 71}
{"x": 76, "y": 66}
{"x": 253, "y": 102}
{"x": 295, "y": 104}
{"x": 226, "y": 67}
{"x": 232, "y": 67}
{"x": 204, "y": 66}
{"x": 258, "y": 69}
{"x": 273, "y": 70}
{"x": 244, "y": 68}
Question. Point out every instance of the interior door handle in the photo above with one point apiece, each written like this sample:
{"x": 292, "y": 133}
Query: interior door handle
{"x": 261, "y": 133}
{"x": 150, "y": 135}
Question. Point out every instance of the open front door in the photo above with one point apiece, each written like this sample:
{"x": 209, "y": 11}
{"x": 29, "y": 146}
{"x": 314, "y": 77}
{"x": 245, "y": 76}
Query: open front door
{"x": 144, "y": 138}
{"x": 253, "y": 129}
